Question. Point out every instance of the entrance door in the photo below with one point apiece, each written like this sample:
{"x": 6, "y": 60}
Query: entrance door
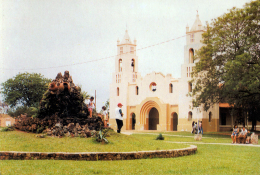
{"x": 133, "y": 121}
{"x": 8, "y": 123}
{"x": 175, "y": 121}
{"x": 153, "y": 119}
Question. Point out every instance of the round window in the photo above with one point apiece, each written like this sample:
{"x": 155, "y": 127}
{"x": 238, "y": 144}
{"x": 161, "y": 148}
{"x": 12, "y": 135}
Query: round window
{"x": 153, "y": 86}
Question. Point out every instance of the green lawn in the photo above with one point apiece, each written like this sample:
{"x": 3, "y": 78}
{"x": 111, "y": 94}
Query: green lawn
{"x": 20, "y": 141}
{"x": 209, "y": 159}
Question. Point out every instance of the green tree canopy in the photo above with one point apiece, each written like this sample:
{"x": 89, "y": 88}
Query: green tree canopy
{"x": 228, "y": 69}
{"x": 25, "y": 89}
{"x": 85, "y": 95}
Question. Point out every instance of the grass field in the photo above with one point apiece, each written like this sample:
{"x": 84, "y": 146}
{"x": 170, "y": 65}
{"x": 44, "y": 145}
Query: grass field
{"x": 209, "y": 159}
{"x": 20, "y": 141}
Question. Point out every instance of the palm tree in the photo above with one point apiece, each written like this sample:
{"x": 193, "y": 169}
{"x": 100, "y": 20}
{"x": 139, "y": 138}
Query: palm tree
{"x": 85, "y": 95}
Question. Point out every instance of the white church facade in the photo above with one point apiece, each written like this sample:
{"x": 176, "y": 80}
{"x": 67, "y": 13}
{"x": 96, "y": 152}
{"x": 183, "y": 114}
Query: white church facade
{"x": 156, "y": 101}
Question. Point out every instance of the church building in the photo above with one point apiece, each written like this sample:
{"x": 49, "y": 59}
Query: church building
{"x": 157, "y": 101}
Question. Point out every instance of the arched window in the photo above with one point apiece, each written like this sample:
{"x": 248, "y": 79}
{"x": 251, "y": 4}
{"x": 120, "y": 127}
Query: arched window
{"x": 189, "y": 87}
{"x": 136, "y": 90}
{"x": 189, "y": 116}
{"x": 170, "y": 88}
{"x": 133, "y": 65}
{"x": 120, "y": 65}
{"x": 191, "y": 55}
{"x": 210, "y": 116}
{"x": 117, "y": 91}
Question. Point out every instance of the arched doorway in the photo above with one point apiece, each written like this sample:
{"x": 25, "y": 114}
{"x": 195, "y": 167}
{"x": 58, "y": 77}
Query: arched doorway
{"x": 145, "y": 112}
{"x": 189, "y": 116}
{"x": 174, "y": 121}
{"x": 133, "y": 121}
{"x": 153, "y": 119}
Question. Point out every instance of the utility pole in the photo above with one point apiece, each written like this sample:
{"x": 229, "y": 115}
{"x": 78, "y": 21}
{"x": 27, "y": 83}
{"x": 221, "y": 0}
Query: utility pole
{"x": 95, "y": 100}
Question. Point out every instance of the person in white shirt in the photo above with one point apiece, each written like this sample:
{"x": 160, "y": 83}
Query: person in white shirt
{"x": 119, "y": 117}
{"x": 91, "y": 106}
{"x": 104, "y": 116}
{"x": 243, "y": 133}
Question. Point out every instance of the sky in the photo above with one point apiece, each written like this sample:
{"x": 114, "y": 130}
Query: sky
{"x": 80, "y": 36}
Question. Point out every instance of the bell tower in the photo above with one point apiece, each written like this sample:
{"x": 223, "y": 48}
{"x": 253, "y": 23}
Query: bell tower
{"x": 193, "y": 43}
{"x": 187, "y": 112}
{"x": 124, "y": 76}
{"x": 126, "y": 59}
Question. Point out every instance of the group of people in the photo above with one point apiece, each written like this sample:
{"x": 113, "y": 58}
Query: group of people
{"x": 91, "y": 106}
{"x": 119, "y": 114}
{"x": 244, "y": 134}
{"x": 197, "y": 129}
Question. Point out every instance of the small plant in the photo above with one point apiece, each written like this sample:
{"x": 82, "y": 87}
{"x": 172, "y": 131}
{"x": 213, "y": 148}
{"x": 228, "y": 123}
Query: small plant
{"x": 160, "y": 137}
{"x": 100, "y": 136}
{"x": 41, "y": 135}
{"x": 8, "y": 128}
{"x": 40, "y": 129}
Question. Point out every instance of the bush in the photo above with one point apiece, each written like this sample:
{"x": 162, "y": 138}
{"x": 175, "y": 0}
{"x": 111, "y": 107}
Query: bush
{"x": 100, "y": 136}
{"x": 160, "y": 137}
{"x": 40, "y": 129}
{"x": 8, "y": 128}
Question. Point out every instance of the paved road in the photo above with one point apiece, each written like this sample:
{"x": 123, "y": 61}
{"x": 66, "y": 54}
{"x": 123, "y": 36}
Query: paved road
{"x": 230, "y": 144}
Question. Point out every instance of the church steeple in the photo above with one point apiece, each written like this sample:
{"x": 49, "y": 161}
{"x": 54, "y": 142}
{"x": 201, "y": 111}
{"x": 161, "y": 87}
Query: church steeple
{"x": 126, "y": 39}
{"x": 126, "y": 61}
{"x": 197, "y": 26}
{"x": 193, "y": 43}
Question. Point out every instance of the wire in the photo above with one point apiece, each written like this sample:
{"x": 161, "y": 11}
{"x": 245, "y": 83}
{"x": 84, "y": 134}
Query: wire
{"x": 52, "y": 67}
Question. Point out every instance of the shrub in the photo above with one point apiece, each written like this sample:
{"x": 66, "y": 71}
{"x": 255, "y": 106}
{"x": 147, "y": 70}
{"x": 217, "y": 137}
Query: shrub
{"x": 40, "y": 129}
{"x": 100, "y": 136}
{"x": 41, "y": 135}
{"x": 160, "y": 137}
{"x": 8, "y": 128}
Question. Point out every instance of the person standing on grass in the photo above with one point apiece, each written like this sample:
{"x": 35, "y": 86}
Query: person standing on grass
{"x": 195, "y": 128}
{"x": 192, "y": 125}
{"x": 200, "y": 127}
{"x": 119, "y": 117}
{"x": 91, "y": 106}
{"x": 234, "y": 134}
{"x": 104, "y": 115}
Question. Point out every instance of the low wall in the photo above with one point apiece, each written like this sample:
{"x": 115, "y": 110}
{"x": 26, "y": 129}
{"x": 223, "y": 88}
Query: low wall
{"x": 95, "y": 156}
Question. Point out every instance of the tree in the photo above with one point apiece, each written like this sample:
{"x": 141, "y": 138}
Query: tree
{"x": 228, "y": 69}
{"x": 25, "y": 89}
{"x": 107, "y": 104}
{"x": 30, "y": 111}
{"x": 85, "y": 95}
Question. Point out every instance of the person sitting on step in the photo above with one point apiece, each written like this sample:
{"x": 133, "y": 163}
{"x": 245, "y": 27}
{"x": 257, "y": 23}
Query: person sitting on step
{"x": 234, "y": 134}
